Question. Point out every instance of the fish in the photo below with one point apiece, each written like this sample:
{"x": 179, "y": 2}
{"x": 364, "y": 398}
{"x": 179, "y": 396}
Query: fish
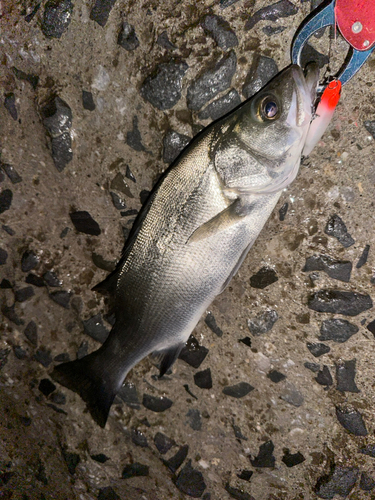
{"x": 194, "y": 232}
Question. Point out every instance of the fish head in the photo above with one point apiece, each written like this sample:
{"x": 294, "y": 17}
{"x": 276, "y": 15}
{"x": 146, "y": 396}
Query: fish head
{"x": 257, "y": 149}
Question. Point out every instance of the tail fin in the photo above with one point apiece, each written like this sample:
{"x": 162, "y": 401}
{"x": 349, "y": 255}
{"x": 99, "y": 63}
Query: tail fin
{"x": 93, "y": 380}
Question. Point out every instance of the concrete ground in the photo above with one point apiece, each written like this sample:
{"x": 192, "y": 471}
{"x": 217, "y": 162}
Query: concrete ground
{"x": 290, "y": 414}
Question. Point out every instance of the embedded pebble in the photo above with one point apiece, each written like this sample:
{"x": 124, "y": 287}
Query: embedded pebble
{"x": 212, "y": 325}
{"x": 186, "y": 387}
{"x": 5, "y": 284}
{"x": 132, "y": 211}
{"x": 33, "y": 80}
{"x": 156, "y": 404}
{"x": 119, "y": 184}
{"x": 368, "y": 450}
{"x": 237, "y": 432}
{"x": 314, "y": 367}
{"x": 134, "y": 138}
{"x": 135, "y": 469}
{"x": 163, "y": 443}
{"x": 43, "y": 356}
{"x": 310, "y": 54}
{"x": 226, "y": 3}
{"x": 46, "y": 387}
{"x": 283, "y": 211}
{"x": 4, "y": 353}
{"x": 62, "y": 358}
{"x": 245, "y": 474}
{"x": 371, "y": 327}
{"x": 221, "y": 106}
{"x": 273, "y": 30}
{"x": 95, "y": 328}
{"x": 317, "y": 349}
{"x": 276, "y": 376}
{"x": 338, "y": 330}
{"x": 203, "y": 379}
{"x": 84, "y": 223}
{"x": 351, "y": 420}
{"x": 129, "y": 174}
{"x": 61, "y": 297}
{"x": 340, "y": 481}
{"x": 345, "y": 374}
{"x": 324, "y": 377}
{"x": 263, "y": 278}
{"x": 58, "y": 398}
{"x": 8, "y": 230}
{"x": 128, "y": 393}
{"x": 237, "y": 493}
{"x": 292, "y": 459}
{"x": 108, "y": 493}
{"x": 163, "y": 41}
{"x": 336, "y": 269}
{"x": 11, "y": 172}
{"x": 262, "y": 323}
{"x": 56, "y": 17}
{"x": 370, "y": 127}
{"x": 19, "y": 352}
{"x": 211, "y": 82}
{"x": 221, "y": 32}
{"x": 190, "y": 481}
{"x": 193, "y": 418}
{"x": 246, "y": 341}
{"x": 10, "y": 313}
{"x": 192, "y": 353}
{"x": 101, "y": 10}
{"x": 163, "y": 88}
{"x": 139, "y": 438}
{"x": 88, "y": 100}
{"x": 29, "y": 261}
{"x": 33, "y": 279}
{"x": 62, "y": 152}
{"x": 273, "y": 12}
{"x": 334, "y": 301}
{"x": 265, "y": 456}
{"x": 24, "y": 294}
{"x": 3, "y": 256}
{"x": 366, "y": 483}
{"x": 6, "y": 197}
{"x": 336, "y": 227}
{"x": 173, "y": 144}
{"x": 71, "y": 459}
{"x": 51, "y": 279}
{"x": 100, "y": 458}
{"x": 292, "y": 395}
{"x": 127, "y": 37}
{"x": 10, "y": 105}
{"x": 83, "y": 350}
{"x": 238, "y": 390}
{"x": 363, "y": 258}
{"x": 177, "y": 460}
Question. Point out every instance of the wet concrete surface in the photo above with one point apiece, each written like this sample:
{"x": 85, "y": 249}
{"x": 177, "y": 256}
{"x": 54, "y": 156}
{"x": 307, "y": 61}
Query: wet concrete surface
{"x": 278, "y": 403}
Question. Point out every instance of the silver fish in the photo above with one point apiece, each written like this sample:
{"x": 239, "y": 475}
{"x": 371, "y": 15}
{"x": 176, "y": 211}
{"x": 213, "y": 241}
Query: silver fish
{"x": 193, "y": 233}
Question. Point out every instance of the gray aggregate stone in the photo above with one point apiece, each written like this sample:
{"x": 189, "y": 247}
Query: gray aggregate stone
{"x": 336, "y": 227}
{"x": 194, "y": 419}
{"x": 51, "y": 279}
{"x": 83, "y": 349}
{"x": 95, "y": 328}
{"x": 370, "y": 127}
{"x": 314, "y": 367}
{"x": 239, "y": 390}
{"x": 101, "y": 10}
{"x": 345, "y": 374}
{"x": 221, "y": 106}
{"x": 108, "y": 493}
{"x": 134, "y": 138}
{"x": 163, "y": 41}
{"x": 237, "y": 494}
{"x": 163, "y": 443}
{"x": 84, "y": 223}
{"x": 273, "y": 12}
{"x": 351, "y": 420}
{"x": 173, "y": 144}
{"x": 57, "y": 117}
{"x": 363, "y": 258}
{"x": 29, "y": 261}
{"x": 273, "y": 30}
{"x": 128, "y": 393}
{"x": 263, "y": 278}
{"x": 340, "y": 482}
{"x": 33, "y": 80}
{"x": 336, "y": 269}
{"x": 324, "y": 377}
{"x": 138, "y": 438}
{"x": 11, "y": 172}
{"x": 43, "y": 356}
{"x": 23, "y": 294}
{"x": 163, "y": 88}
{"x": 211, "y": 82}
{"x": 318, "y": 349}
{"x": 6, "y": 197}
{"x": 3, "y": 256}
{"x": 88, "y": 100}
{"x": 135, "y": 469}
{"x": 56, "y": 18}
{"x": 338, "y": 330}
{"x": 366, "y": 483}
{"x": 127, "y": 37}
{"x": 62, "y": 152}
{"x": 178, "y": 458}
{"x": 190, "y": 481}
{"x": 368, "y": 450}
{"x": 221, "y": 32}
{"x": 118, "y": 202}
{"x": 31, "y": 333}
{"x": 10, "y": 105}
{"x": 212, "y": 325}
{"x": 335, "y": 301}
{"x": 292, "y": 395}
{"x": 265, "y": 457}
{"x": 156, "y": 404}
{"x": 61, "y": 297}
{"x": 262, "y": 323}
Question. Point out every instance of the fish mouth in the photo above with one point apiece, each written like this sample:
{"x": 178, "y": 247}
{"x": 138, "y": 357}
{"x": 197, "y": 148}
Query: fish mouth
{"x": 305, "y": 91}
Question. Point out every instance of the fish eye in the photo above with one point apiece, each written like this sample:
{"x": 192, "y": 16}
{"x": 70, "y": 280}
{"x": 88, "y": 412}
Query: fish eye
{"x": 269, "y": 109}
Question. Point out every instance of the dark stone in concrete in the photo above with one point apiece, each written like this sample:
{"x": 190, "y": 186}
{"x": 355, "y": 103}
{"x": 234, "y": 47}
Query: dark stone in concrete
{"x": 334, "y": 301}
{"x": 173, "y": 144}
{"x": 190, "y": 481}
{"x": 128, "y": 393}
{"x": 163, "y": 443}
{"x": 8, "y": 230}
{"x": 283, "y": 211}
{"x": 101, "y": 10}
{"x": 276, "y": 376}
{"x": 11, "y": 172}
{"x": 19, "y": 352}
{"x": 336, "y": 227}
{"x": 221, "y": 106}
{"x": 351, "y": 420}
{"x": 135, "y": 469}
{"x": 62, "y": 358}
{"x": 108, "y": 493}
{"x": 163, "y": 88}
{"x": 237, "y": 493}
{"x": 30, "y": 17}
{"x": 211, "y": 82}
{"x": 336, "y": 269}
{"x": 370, "y": 127}
{"x": 273, "y": 30}
{"x": 100, "y": 457}
{"x": 95, "y": 329}
{"x": 292, "y": 395}
{"x": 88, "y": 100}
{"x": 193, "y": 418}
{"x": 273, "y": 12}
{"x": 33, "y": 279}
{"x": 5, "y": 284}
{"x": 363, "y": 258}
{"x": 84, "y": 223}
{"x": 33, "y": 80}
{"x": 371, "y": 327}
{"x": 192, "y": 353}
{"x": 100, "y": 262}
{"x": 46, "y": 387}
{"x": 24, "y": 294}
{"x": 368, "y": 450}
{"x": 246, "y": 341}
{"x": 127, "y": 37}
{"x": 29, "y": 261}
{"x": 340, "y": 481}
{"x": 324, "y": 377}
{"x": 212, "y": 325}
{"x": 143, "y": 196}
{"x": 156, "y": 404}
{"x": 138, "y": 438}
{"x": 4, "y": 353}
{"x": 338, "y": 330}
{"x": 345, "y": 374}
{"x": 314, "y": 367}
{"x": 265, "y": 456}
{"x": 366, "y": 483}
{"x": 133, "y": 211}
{"x": 119, "y": 184}
{"x": 292, "y": 459}
{"x": 134, "y": 138}
{"x": 58, "y": 398}
{"x": 263, "y": 278}
{"x": 262, "y": 323}
{"x": 56, "y": 18}
{"x": 177, "y": 460}
{"x": 317, "y": 349}
{"x": 10, "y": 313}
{"x": 43, "y": 357}
{"x": 51, "y": 279}
{"x": 238, "y": 390}
{"x": 226, "y": 3}
{"x": 129, "y": 174}
{"x": 71, "y": 460}
{"x": 6, "y": 197}
{"x": 245, "y": 475}
{"x": 10, "y": 105}
{"x": 164, "y": 41}
{"x": 61, "y": 297}
{"x": 309, "y": 54}
{"x": 83, "y": 350}
{"x": 203, "y": 379}
{"x": 3, "y": 256}
{"x": 62, "y": 152}
{"x": 237, "y": 432}
{"x": 221, "y": 32}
